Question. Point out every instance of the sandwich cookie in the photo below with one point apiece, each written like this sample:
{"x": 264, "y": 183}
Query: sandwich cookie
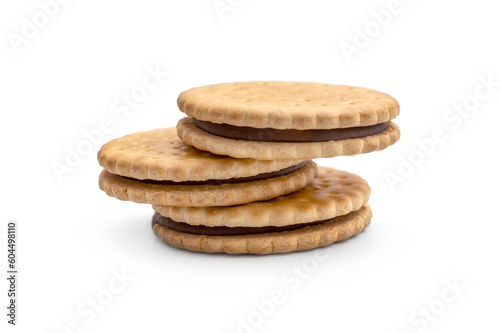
{"x": 156, "y": 167}
{"x": 287, "y": 120}
{"x": 332, "y": 208}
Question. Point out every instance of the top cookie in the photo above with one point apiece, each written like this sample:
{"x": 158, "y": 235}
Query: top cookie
{"x": 288, "y": 105}
{"x": 160, "y": 155}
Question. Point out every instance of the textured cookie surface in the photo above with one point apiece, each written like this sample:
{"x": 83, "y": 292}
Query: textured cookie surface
{"x": 333, "y": 193}
{"x": 202, "y": 140}
{"x": 160, "y": 155}
{"x": 307, "y": 238}
{"x": 206, "y": 195}
{"x": 288, "y": 105}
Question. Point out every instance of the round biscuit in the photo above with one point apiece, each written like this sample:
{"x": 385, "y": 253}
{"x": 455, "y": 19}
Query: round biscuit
{"x": 333, "y": 193}
{"x": 206, "y": 195}
{"x": 160, "y": 155}
{"x": 202, "y": 140}
{"x": 306, "y": 238}
{"x": 288, "y": 105}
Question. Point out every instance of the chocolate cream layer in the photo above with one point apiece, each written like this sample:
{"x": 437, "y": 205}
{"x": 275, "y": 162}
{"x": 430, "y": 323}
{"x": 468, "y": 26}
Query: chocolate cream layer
{"x": 225, "y": 231}
{"x": 287, "y": 135}
{"x": 261, "y": 176}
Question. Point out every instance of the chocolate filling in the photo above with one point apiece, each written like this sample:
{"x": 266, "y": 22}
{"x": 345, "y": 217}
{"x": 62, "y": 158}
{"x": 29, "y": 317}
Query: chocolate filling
{"x": 287, "y": 135}
{"x": 224, "y": 231}
{"x": 260, "y": 176}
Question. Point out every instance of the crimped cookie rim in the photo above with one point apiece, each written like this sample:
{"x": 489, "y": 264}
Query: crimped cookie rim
{"x": 202, "y": 140}
{"x": 275, "y": 212}
{"x": 115, "y": 158}
{"x": 324, "y": 234}
{"x": 206, "y": 195}
{"x": 237, "y": 113}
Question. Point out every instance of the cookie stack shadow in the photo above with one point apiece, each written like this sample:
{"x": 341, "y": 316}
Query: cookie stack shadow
{"x": 236, "y": 175}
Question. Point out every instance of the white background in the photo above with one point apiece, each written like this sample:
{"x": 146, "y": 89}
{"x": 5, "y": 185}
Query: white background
{"x": 440, "y": 224}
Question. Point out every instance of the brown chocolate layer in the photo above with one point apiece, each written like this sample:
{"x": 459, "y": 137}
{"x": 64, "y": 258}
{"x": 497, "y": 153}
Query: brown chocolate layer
{"x": 224, "y": 231}
{"x": 261, "y": 176}
{"x": 287, "y": 135}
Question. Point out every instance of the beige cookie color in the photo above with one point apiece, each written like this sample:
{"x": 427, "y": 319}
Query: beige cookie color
{"x": 206, "y": 195}
{"x": 333, "y": 193}
{"x": 202, "y": 140}
{"x": 288, "y": 105}
{"x": 307, "y": 238}
{"x": 160, "y": 155}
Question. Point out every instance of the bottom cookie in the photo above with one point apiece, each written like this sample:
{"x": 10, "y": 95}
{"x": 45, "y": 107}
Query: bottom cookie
{"x": 305, "y": 238}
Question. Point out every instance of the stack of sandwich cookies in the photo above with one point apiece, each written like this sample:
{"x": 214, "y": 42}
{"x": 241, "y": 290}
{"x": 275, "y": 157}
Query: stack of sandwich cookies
{"x": 287, "y": 120}
{"x": 157, "y": 168}
{"x": 332, "y": 208}
{"x": 240, "y": 179}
